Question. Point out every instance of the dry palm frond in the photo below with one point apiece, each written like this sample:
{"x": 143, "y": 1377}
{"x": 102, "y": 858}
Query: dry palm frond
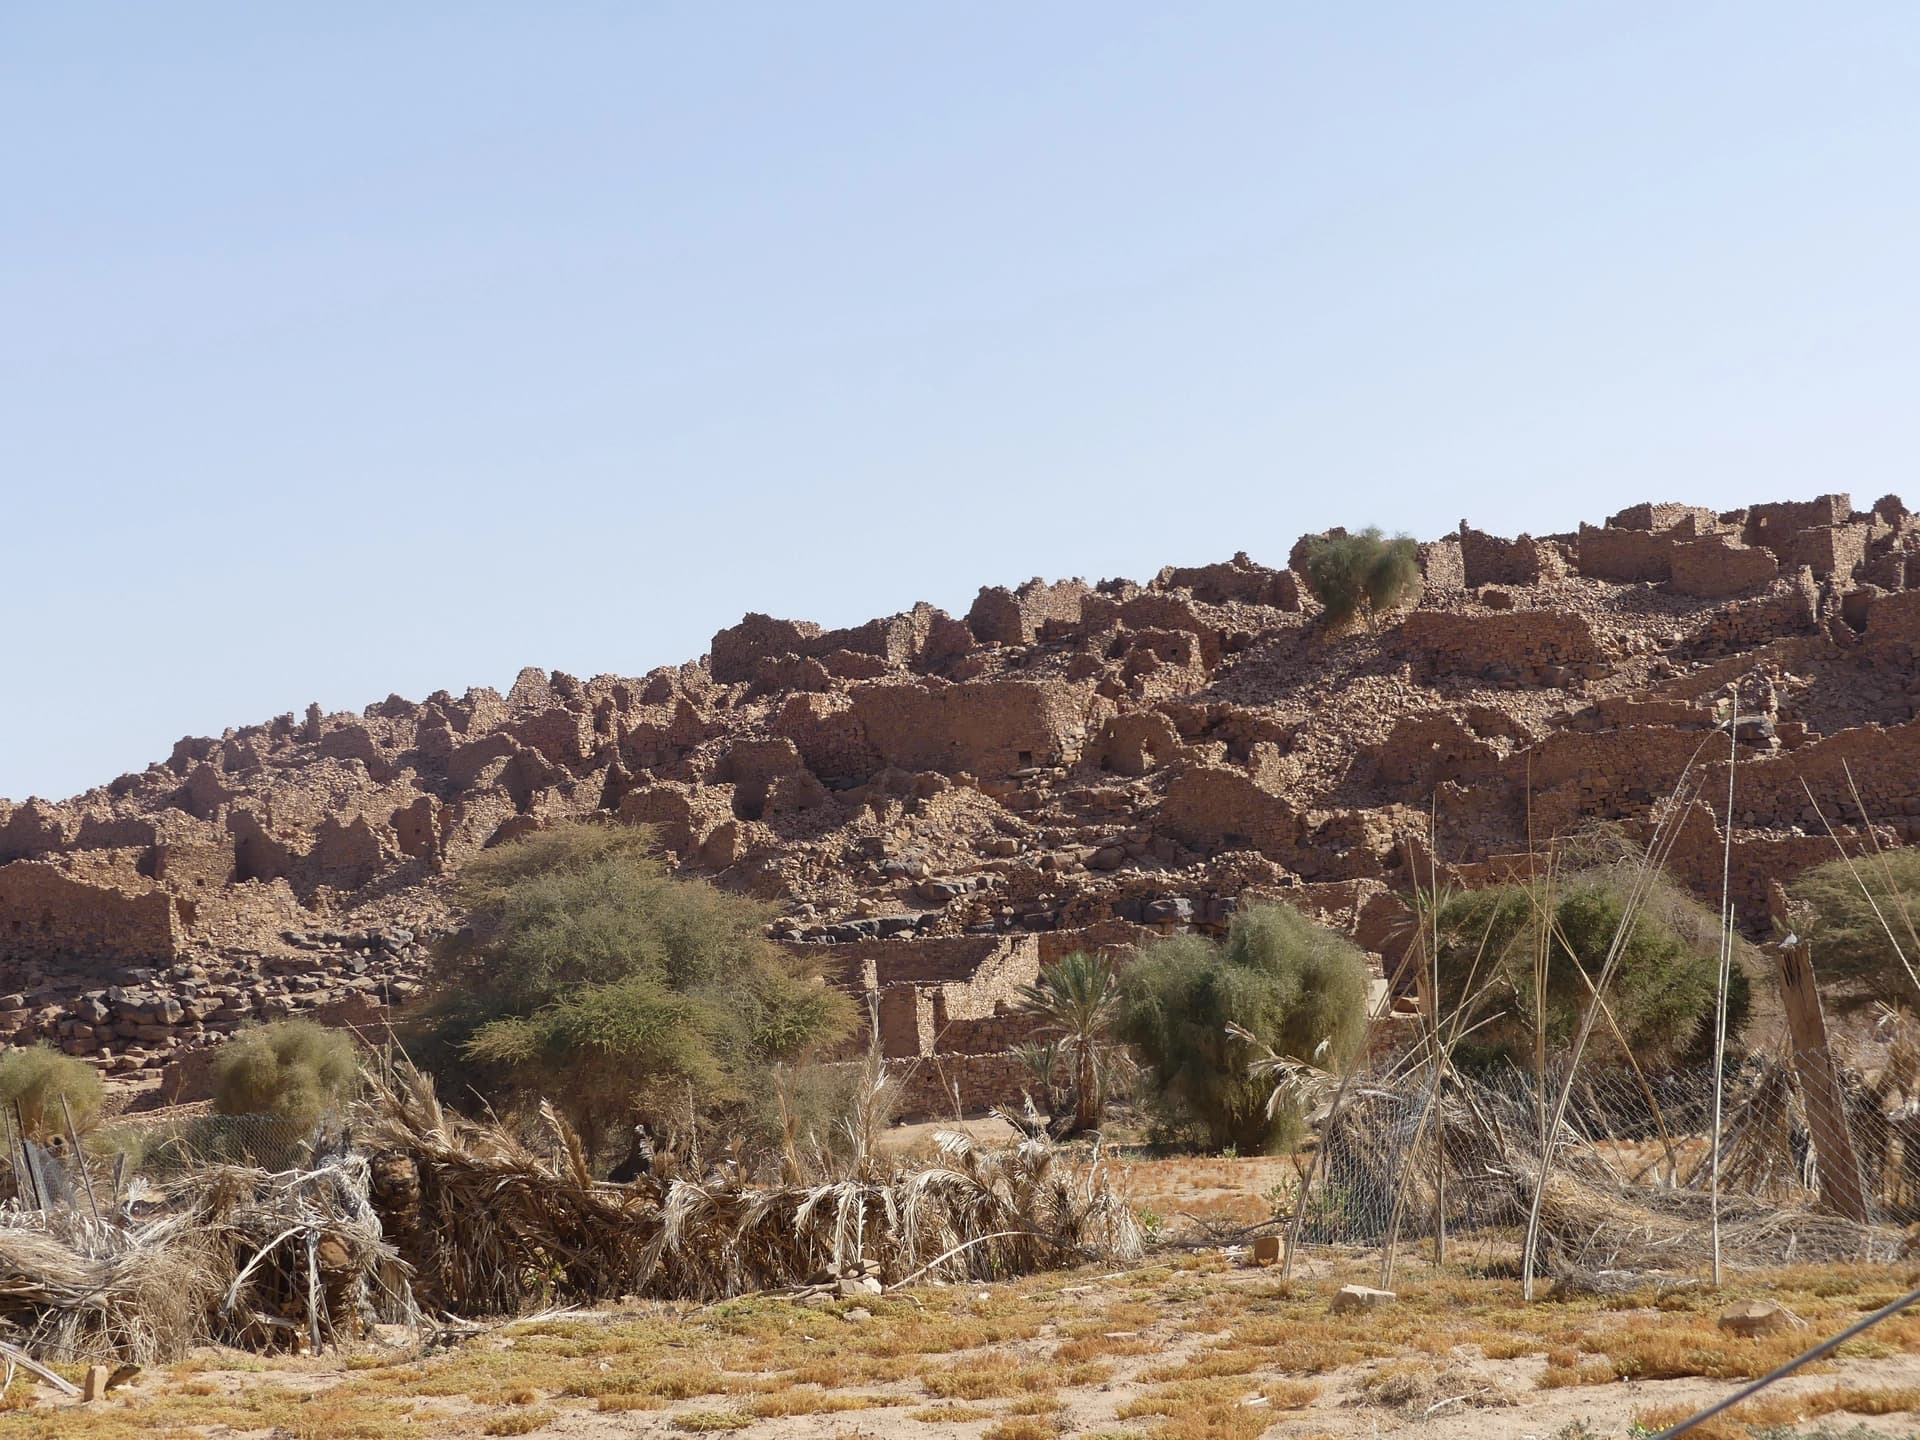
{"x": 472, "y": 1221}
{"x": 234, "y": 1255}
{"x": 492, "y": 1227}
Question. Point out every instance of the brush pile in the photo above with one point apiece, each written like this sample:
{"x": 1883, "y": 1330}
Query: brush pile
{"x": 428, "y": 1212}
{"x": 491, "y": 1227}
{"x": 236, "y": 1256}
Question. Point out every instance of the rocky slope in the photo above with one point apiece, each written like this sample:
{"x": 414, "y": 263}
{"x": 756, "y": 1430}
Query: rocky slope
{"x": 1065, "y": 756}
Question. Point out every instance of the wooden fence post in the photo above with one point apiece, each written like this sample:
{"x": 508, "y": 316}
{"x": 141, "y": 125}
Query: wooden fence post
{"x": 1841, "y": 1188}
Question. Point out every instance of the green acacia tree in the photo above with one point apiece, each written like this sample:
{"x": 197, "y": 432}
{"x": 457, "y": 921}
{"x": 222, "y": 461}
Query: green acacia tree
{"x": 1287, "y": 984}
{"x": 1665, "y": 986}
{"x": 589, "y": 976}
{"x": 1865, "y": 916}
{"x": 1362, "y": 575}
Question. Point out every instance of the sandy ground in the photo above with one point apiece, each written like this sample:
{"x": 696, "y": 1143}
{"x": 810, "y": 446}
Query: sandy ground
{"x": 1191, "y": 1344}
{"x": 1459, "y": 1392}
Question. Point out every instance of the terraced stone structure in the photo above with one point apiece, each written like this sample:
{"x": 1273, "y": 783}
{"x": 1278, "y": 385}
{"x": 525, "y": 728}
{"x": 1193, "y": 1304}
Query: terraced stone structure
{"x": 953, "y": 801}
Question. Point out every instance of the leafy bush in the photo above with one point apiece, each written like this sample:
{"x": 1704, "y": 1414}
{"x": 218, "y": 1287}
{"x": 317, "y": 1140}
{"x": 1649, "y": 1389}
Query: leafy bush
{"x": 37, "y": 1078}
{"x": 1291, "y": 984}
{"x": 589, "y": 976}
{"x": 293, "y": 1069}
{"x": 1664, "y": 989}
{"x": 1848, "y": 941}
{"x": 1362, "y": 575}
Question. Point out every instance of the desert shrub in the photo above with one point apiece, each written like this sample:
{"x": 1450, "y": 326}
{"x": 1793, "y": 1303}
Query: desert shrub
{"x": 1359, "y": 576}
{"x": 1848, "y": 941}
{"x": 587, "y": 975}
{"x": 1664, "y": 989}
{"x": 1291, "y": 984}
{"x": 38, "y": 1077}
{"x": 295, "y": 1070}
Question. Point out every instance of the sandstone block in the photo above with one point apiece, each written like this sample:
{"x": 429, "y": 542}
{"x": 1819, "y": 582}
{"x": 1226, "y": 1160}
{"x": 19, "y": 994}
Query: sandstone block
{"x": 1361, "y": 1297}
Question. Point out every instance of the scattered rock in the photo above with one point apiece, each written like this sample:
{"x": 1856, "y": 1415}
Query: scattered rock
{"x": 1759, "y": 1317}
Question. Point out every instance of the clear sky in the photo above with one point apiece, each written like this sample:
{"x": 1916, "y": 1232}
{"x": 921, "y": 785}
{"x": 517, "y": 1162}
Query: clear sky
{"x": 349, "y": 349}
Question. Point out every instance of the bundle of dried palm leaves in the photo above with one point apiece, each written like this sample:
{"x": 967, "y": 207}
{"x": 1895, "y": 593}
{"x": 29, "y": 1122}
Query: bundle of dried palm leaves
{"x": 73, "y": 1287}
{"x": 491, "y": 1226}
{"x": 1389, "y": 1142}
{"x": 232, "y": 1255}
{"x": 1586, "y": 1227}
{"x": 301, "y": 1252}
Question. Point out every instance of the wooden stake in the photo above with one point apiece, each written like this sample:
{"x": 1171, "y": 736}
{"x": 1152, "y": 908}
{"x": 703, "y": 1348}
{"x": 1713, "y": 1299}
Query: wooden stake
{"x": 1726, "y": 971}
{"x": 1841, "y": 1188}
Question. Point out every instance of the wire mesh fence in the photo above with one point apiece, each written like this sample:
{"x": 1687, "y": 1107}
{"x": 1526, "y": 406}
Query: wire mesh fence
{"x": 164, "y": 1150}
{"x": 1813, "y": 1163}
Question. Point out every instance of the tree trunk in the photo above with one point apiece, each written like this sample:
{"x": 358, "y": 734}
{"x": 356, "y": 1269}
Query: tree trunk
{"x": 1086, "y": 1092}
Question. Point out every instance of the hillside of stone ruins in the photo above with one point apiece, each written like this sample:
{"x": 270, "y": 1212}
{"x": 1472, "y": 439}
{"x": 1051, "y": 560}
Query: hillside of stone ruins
{"x": 948, "y": 801}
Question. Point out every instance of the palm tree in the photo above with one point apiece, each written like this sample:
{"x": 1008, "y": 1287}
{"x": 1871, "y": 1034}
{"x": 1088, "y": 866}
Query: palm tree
{"x": 1077, "y": 1000}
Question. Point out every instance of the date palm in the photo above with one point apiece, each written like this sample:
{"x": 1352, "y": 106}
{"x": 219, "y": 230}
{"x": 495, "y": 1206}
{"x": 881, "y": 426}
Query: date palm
{"x": 1077, "y": 1001}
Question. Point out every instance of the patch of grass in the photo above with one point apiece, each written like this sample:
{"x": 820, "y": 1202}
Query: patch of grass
{"x": 517, "y": 1395}
{"x": 995, "y": 1382}
{"x": 1091, "y": 1347}
{"x": 1022, "y": 1427}
{"x": 622, "y": 1401}
{"x": 1773, "y": 1412}
{"x": 1207, "y": 1365}
{"x": 1034, "y": 1405}
{"x": 949, "y": 1414}
{"x": 706, "y": 1422}
{"x": 817, "y": 1402}
{"x": 518, "y": 1422}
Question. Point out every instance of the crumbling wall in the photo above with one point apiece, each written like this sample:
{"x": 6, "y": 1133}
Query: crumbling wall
{"x": 1221, "y": 807}
{"x": 1443, "y": 566}
{"x": 1775, "y": 523}
{"x": 1716, "y": 566}
{"x": 1529, "y": 647}
{"x": 1014, "y": 617}
{"x": 1491, "y": 560}
{"x": 1135, "y": 743}
{"x": 1625, "y": 555}
{"x": 737, "y": 649}
{"x": 45, "y": 913}
{"x": 981, "y": 727}
{"x": 1690, "y": 521}
{"x": 1238, "y": 580}
{"x": 1830, "y": 551}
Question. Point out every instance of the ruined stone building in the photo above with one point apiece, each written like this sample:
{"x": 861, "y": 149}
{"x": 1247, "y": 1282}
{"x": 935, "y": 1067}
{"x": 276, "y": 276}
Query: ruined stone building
{"x": 950, "y": 801}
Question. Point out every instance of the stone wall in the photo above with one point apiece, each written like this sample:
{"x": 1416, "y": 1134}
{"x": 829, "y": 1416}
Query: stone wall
{"x": 1014, "y": 617}
{"x": 981, "y": 727}
{"x": 1716, "y": 566}
{"x": 47, "y": 914}
{"x": 1526, "y": 647}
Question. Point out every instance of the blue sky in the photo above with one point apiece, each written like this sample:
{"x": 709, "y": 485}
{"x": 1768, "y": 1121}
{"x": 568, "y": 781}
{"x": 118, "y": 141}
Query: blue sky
{"x": 355, "y": 349}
